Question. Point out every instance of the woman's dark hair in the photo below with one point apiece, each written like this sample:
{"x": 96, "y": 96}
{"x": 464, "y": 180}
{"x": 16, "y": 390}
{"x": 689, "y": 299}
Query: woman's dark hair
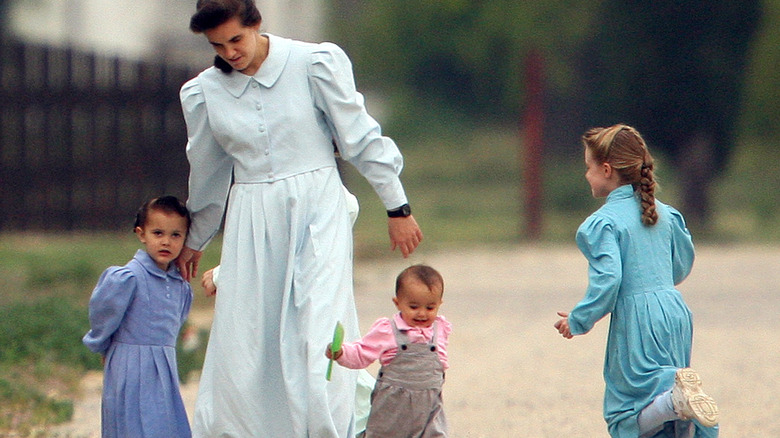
{"x": 168, "y": 204}
{"x": 212, "y": 13}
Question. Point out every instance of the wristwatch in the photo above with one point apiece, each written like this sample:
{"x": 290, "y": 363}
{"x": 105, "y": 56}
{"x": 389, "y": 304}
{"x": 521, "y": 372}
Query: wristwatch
{"x": 402, "y": 211}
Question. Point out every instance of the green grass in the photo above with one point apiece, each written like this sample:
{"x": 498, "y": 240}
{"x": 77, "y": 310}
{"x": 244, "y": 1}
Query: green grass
{"x": 466, "y": 187}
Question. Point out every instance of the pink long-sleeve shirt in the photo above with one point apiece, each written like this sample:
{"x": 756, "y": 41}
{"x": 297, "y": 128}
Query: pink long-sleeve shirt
{"x": 379, "y": 343}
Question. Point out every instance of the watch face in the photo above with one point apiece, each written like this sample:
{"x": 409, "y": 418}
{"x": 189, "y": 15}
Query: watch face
{"x": 406, "y": 210}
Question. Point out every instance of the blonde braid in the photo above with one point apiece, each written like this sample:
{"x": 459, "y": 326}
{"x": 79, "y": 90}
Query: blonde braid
{"x": 647, "y": 192}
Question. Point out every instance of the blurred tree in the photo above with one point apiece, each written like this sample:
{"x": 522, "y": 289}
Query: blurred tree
{"x": 466, "y": 54}
{"x": 761, "y": 121}
{"x": 674, "y": 70}
{"x": 3, "y": 15}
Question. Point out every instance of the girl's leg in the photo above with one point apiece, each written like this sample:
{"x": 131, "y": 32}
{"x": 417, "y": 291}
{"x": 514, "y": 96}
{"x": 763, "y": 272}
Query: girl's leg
{"x": 652, "y": 418}
{"x": 685, "y": 401}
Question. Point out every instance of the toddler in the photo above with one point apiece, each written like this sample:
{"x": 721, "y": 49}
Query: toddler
{"x": 412, "y": 349}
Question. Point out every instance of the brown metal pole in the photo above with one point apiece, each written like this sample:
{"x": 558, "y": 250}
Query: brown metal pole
{"x": 532, "y": 145}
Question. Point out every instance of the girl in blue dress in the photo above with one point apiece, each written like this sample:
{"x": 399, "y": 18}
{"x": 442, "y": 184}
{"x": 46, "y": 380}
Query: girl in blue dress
{"x": 638, "y": 249}
{"x": 135, "y": 314}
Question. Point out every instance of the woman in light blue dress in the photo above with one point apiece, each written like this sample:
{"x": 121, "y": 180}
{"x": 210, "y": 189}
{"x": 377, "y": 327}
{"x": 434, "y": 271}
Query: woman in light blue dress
{"x": 261, "y": 126}
{"x": 638, "y": 249}
{"x": 135, "y": 314}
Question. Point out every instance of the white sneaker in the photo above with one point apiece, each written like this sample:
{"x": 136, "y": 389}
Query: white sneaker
{"x": 689, "y": 400}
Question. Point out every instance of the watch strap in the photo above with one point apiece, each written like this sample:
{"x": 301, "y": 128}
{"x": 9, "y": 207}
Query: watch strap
{"x": 402, "y": 211}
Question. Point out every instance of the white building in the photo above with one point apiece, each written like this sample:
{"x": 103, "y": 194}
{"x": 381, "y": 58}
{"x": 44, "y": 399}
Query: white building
{"x": 148, "y": 29}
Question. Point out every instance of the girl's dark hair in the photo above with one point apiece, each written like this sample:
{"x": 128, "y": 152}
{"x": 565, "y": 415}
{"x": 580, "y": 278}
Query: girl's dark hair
{"x": 168, "y": 204}
{"x": 212, "y": 13}
{"x": 626, "y": 151}
{"x": 423, "y": 273}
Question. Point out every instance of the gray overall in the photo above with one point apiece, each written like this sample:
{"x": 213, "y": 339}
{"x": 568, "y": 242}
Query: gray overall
{"x": 406, "y": 401}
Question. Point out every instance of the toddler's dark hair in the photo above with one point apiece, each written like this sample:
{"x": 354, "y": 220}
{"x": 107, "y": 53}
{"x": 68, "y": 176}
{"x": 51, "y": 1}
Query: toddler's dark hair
{"x": 168, "y": 204}
{"x": 424, "y": 273}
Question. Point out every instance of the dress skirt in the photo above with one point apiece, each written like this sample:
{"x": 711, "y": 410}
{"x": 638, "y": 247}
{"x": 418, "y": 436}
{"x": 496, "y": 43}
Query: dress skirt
{"x": 285, "y": 280}
{"x": 650, "y": 337}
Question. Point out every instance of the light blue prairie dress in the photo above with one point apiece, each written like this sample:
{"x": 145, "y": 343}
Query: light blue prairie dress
{"x": 633, "y": 270}
{"x": 265, "y": 142}
{"x": 135, "y": 314}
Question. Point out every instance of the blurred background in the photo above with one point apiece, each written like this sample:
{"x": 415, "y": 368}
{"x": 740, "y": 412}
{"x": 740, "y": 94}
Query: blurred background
{"x": 486, "y": 99}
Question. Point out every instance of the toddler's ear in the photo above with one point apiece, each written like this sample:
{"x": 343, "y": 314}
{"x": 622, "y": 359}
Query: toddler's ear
{"x": 140, "y": 233}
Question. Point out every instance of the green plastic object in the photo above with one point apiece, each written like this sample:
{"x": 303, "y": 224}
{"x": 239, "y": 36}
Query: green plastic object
{"x": 335, "y": 346}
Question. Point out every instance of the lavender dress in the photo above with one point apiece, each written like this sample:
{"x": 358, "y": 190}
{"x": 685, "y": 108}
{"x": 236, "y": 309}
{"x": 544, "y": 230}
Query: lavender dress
{"x": 135, "y": 313}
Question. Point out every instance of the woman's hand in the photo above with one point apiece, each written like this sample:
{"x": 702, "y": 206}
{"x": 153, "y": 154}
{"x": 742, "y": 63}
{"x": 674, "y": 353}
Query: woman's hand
{"x": 187, "y": 262}
{"x": 563, "y": 325}
{"x": 405, "y": 234}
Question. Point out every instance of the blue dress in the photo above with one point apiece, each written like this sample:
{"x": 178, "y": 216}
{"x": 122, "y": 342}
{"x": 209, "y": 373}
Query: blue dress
{"x": 633, "y": 270}
{"x": 261, "y": 152}
{"x": 135, "y": 314}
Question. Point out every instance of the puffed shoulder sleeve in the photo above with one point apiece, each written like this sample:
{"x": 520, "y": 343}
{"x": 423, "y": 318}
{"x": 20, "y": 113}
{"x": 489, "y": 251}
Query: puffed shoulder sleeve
{"x": 211, "y": 168}
{"x": 446, "y": 326}
{"x": 110, "y": 299}
{"x": 358, "y": 136}
{"x": 682, "y": 247}
{"x": 597, "y": 240}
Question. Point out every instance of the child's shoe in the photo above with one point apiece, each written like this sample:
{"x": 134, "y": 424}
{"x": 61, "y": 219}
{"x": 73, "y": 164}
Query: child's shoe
{"x": 689, "y": 400}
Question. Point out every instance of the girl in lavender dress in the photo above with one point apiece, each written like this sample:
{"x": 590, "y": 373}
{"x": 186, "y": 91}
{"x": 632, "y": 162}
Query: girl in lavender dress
{"x": 135, "y": 313}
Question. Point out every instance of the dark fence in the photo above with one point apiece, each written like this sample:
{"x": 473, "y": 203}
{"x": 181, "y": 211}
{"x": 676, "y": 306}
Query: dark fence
{"x": 85, "y": 139}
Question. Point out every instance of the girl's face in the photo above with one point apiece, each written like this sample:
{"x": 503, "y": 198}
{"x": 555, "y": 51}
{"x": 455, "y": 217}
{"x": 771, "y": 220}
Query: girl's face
{"x": 163, "y": 236}
{"x": 601, "y": 176}
{"x": 418, "y": 305}
{"x": 239, "y": 45}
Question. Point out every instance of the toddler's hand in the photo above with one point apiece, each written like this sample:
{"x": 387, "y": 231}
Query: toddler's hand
{"x": 328, "y": 353}
{"x": 562, "y": 325}
{"x": 207, "y": 281}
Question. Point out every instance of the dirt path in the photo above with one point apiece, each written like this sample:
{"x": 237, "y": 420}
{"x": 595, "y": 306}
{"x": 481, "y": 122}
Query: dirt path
{"x": 511, "y": 374}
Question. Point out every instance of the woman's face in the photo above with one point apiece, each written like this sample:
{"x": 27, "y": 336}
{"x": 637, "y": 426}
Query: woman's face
{"x": 237, "y": 44}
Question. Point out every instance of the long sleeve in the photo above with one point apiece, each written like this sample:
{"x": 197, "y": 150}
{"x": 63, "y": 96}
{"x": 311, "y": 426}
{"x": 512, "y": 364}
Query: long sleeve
{"x": 110, "y": 300}
{"x": 211, "y": 169}
{"x": 380, "y": 344}
{"x": 377, "y": 343}
{"x": 682, "y": 247}
{"x": 358, "y": 136}
{"x": 598, "y": 243}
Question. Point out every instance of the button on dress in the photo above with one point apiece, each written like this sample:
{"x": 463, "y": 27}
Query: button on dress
{"x": 135, "y": 313}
